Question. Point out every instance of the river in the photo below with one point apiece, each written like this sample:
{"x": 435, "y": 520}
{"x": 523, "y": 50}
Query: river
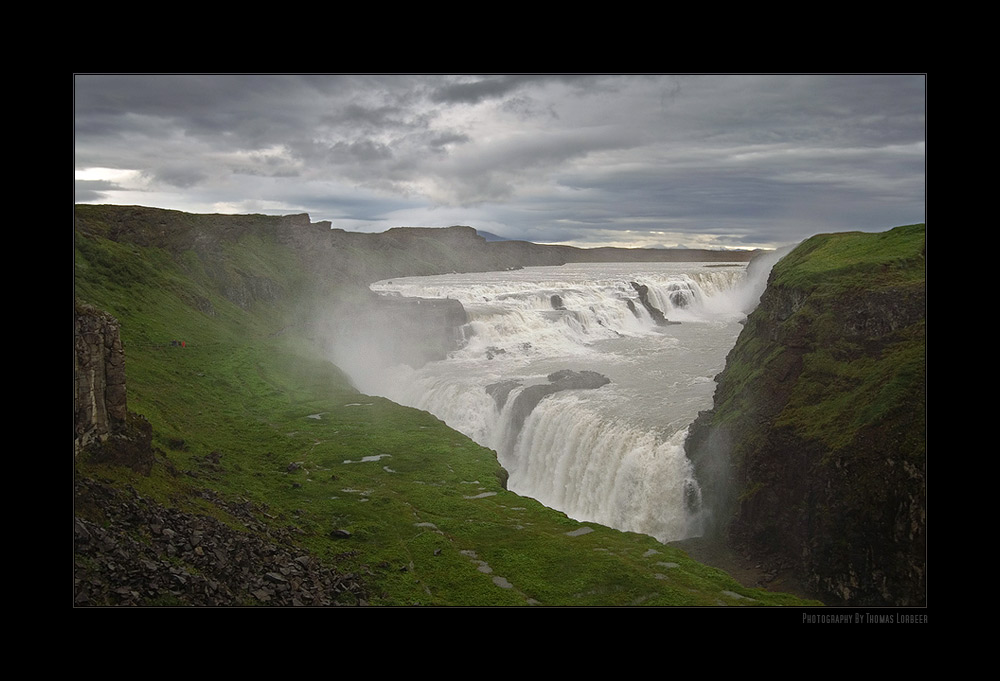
{"x": 610, "y": 453}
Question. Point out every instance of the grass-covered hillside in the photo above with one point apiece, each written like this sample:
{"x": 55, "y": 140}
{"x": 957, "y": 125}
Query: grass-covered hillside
{"x": 273, "y": 476}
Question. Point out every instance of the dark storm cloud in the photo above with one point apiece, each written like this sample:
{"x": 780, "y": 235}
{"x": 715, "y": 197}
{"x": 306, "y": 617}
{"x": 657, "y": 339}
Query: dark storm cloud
{"x": 362, "y": 151}
{"x": 728, "y": 160}
{"x": 219, "y": 112}
{"x": 355, "y": 115}
{"x": 479, "y": 88}
{"x": 354, "y": 207}
{"x": 439, "y": 141}
{"x": 93, "y": 191}
{"x": 180, "y": 176}
{"x": 475, "y": 91}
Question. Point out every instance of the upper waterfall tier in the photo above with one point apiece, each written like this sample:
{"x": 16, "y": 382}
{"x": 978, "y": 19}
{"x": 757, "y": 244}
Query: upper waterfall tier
{"x": 562, "y": 311}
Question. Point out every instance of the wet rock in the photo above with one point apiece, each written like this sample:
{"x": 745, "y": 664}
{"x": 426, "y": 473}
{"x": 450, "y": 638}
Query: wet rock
{"x": 577, "y": 380}
{"x": 501, "y": 391}
{"x": 493, "y": 351}
{"x": 654, "y": 312}
{"x": 565, "y": 379}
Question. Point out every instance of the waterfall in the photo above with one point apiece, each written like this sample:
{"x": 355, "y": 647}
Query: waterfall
{"x": 609, "y": 471}
{"x": 571, "y": 379}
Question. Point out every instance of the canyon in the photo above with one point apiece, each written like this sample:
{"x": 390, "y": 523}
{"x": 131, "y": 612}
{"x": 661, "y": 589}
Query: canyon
{"x": 812, "y": 459}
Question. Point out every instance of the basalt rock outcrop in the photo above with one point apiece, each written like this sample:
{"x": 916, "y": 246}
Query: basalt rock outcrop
{"x": 411, "y": 331}
{"x": 99, "y": 371}
{"x": 528, "y": 398}
{"x": 501, "y": 391}
{"x": 102, "y": 423}
{"x": 654, "y": 312}
{"x": 813, "y": 458}
{"x": 566, "y": 379}
{"x": 372, "y": 332}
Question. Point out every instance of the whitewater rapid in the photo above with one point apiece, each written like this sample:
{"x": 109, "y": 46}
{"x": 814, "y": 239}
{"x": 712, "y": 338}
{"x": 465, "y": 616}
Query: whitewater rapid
{"x": 612, "y": 454}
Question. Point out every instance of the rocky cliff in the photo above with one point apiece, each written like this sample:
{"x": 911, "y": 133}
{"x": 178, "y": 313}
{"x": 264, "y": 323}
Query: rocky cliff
{"x": 99, "y": 375}
{"x": 102, "y": 422}
{"x": 813, "y": 458}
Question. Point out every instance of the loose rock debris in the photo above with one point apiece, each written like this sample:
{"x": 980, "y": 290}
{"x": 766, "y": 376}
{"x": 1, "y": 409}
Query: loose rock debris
{"x": 141, "y": 553}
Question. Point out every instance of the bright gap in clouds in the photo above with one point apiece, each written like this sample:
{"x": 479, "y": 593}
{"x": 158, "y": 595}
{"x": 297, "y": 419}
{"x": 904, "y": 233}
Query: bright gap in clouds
{"x": 116, "y": 175}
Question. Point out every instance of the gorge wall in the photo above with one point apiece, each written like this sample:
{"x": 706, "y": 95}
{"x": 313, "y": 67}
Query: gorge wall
{"x": 813, "y": 458}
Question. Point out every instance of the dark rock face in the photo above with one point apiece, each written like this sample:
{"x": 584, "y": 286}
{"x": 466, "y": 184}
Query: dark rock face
{"x": 99, "y": 375}
{"x": 813, "y": 458}
{"x": 680, "y": 295}
{"x": 419, "y": 329}
{"x": 654, "y": 312}
{"x": 501, "y": 391}
{"x": 376, "y": 332}
{"x": 245, "y": 289}
{"x": 103, "y": 424}
{"x": 566, "y": 379}
{"x": 528, "y": 399}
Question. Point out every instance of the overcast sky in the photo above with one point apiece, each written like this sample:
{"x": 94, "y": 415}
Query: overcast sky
{"x": 698, "y": 161}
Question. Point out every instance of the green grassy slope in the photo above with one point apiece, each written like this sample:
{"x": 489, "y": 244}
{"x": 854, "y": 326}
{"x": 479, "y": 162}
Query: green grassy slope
{"x": 247, "y": 408}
